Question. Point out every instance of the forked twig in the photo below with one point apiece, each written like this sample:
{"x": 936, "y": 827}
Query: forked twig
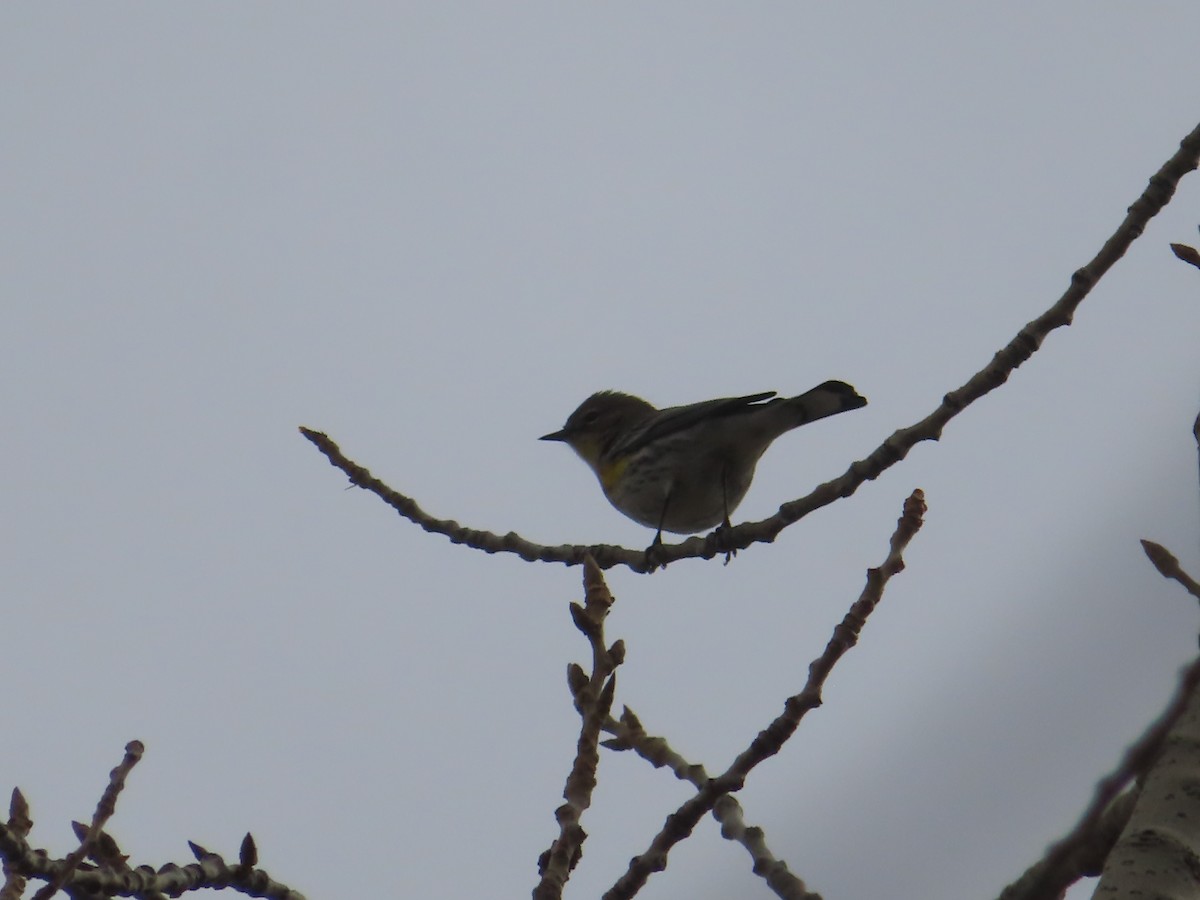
{"x": 770, "y": 740}
{"x": 111, "y": 876}
{"x": 593, "y": 695}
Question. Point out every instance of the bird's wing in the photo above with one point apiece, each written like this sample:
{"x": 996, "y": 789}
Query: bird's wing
{"x": 677, "y": 418}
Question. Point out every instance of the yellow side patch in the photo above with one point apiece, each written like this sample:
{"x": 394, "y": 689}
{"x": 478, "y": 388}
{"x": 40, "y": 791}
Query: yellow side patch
{"x": 610, "y": 472}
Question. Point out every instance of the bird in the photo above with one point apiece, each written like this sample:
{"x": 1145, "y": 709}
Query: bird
{"x": 685, "y": 469}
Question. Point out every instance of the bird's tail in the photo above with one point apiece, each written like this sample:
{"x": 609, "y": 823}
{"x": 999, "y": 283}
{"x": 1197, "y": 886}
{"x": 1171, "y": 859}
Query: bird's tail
{"x": 826, "y": 399}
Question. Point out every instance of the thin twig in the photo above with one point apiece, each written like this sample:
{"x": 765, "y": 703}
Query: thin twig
{"x": 1168, "y": 567}
{"x": 769, "y": 741}
{"x": 104, "y": 811}
{"x": 20, "y": 824}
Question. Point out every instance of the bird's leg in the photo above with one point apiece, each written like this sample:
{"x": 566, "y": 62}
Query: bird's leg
{"x": 654, "y": 550}
{"x": 722, "y": 530}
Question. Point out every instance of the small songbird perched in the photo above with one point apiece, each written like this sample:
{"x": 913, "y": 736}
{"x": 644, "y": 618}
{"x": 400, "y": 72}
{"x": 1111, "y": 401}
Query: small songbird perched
{"x": 686, "y": 469}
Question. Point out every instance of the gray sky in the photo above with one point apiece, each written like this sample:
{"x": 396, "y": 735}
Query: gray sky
{"x": 431, "y": 230}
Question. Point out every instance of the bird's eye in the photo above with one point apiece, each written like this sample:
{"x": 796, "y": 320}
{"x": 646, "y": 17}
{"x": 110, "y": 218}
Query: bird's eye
{"x": 590, "y": 417}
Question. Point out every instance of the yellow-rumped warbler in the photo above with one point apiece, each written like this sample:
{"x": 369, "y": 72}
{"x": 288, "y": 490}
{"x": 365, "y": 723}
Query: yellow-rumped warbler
{"x": 685, "y": 469}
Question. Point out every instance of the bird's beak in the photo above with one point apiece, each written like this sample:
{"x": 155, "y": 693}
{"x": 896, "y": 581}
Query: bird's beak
{"x": 554, "y": 436}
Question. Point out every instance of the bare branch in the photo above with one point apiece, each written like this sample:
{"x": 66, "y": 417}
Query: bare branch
{"x": 1027, "y": 341}
{"x": 1085, "y": 859}
{"x": 1060, "y": 866}
{"x": 114, "y": 877}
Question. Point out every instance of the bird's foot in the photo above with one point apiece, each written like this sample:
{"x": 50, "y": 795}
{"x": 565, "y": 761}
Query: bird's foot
{"x": 722, "y": 541}
{"x": 654, "y": 554}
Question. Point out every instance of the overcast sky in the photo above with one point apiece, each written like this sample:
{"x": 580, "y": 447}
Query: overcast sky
{"x": 430, "y": 230}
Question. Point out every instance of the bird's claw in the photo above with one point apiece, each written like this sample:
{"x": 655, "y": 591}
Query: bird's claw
{"x": 654, "y": 554}
{"x": 722, "y": 540}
